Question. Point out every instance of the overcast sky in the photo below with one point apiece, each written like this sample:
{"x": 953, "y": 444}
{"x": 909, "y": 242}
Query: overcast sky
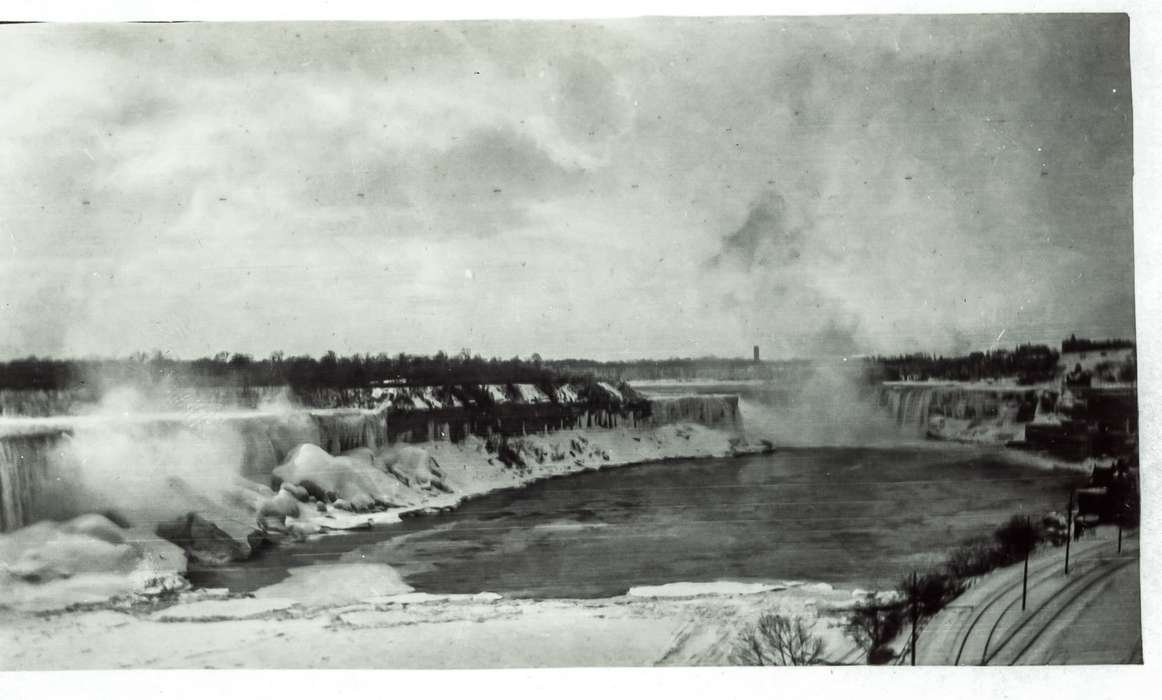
{"x": 645, "y": 188}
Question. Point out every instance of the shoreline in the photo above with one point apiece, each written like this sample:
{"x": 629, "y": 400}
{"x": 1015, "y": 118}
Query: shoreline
{"x": 161, "y": 568}
{"x": 473, "y": 472}
{"x": 477, "y": 473}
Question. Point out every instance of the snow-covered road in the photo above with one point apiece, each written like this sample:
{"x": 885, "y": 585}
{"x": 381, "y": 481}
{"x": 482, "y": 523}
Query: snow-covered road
{"x": 1091, "y": 615}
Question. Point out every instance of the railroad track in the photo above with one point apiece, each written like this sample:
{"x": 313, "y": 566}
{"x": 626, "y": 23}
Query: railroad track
{"x": 1011, "y": 645}
{"x": 1065, "y": 597}
{"x": 1038, "y": 575}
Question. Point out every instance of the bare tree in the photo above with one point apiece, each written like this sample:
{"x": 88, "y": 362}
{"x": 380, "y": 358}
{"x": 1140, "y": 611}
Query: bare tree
{"x": 777, "y": 641}
{"x": 872, "y": 625}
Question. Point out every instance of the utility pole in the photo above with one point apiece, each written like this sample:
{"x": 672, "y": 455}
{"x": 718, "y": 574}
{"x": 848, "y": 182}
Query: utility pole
{"x": 1025, "y": 577}
{"x": 915, "y": 595}
{"x": 1119, "y": 536}
{"x": 1068, "y": 530}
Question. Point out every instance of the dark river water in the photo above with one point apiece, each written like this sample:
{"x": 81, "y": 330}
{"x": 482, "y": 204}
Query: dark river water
{"x": 853, "y": 517}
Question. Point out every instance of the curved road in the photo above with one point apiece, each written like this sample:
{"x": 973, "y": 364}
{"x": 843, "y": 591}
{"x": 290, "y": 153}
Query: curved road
{"x": 1090, "y": 616}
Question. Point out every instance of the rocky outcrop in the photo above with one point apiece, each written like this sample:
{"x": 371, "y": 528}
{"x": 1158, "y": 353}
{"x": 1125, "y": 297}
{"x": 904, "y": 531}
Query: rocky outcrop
{"x": 203, "y": 541}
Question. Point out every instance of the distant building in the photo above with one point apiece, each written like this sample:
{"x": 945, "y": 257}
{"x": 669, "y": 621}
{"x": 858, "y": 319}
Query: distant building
{"x": 1097, "y": 361}
{"x": 756, "y": 353}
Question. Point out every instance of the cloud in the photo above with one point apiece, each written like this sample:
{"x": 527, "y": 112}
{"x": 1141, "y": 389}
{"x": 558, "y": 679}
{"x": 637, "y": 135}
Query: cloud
{"x": 766, "y": 239}
{"x": 686, "y": 186}
{"x": 485, "y": 183}
{"x": 589, "y": 104}
{"x": 773, "y": 275}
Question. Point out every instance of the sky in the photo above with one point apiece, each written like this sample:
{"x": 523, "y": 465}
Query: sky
{"x": 607, "y": 189}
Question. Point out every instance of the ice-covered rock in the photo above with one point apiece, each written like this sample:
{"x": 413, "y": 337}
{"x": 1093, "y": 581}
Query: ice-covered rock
{"x": 292, "y": 430}
{"x": 48, "y": 550}
{"x": 413, "y": 466}
{"x": 332, "y": 584}
{"x": 352, "y": 479}
{"x": 96, "y": 526}
{"x": 202, "y": 540}
{"x": 89, "y": 559}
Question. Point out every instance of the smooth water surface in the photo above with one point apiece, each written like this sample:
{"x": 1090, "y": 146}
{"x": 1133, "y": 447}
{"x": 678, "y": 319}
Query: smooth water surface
{"x": 849, "y": 516}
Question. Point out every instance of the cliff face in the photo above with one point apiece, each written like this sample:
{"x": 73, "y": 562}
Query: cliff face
{"x": 518, "y": 419}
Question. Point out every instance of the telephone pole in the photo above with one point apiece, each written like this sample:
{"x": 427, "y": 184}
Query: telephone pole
{"x": 1068, "y": 530}
{"x": 915, "y": 595}
{"x": 1025, "y": 577}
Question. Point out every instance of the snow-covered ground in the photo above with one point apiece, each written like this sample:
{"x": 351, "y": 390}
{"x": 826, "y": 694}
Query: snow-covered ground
{"x": 324, "y": 619}
{"x": 1091, "y": 615}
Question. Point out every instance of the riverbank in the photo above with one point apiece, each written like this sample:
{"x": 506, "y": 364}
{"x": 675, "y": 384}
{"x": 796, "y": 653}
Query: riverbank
{"x": 39, "y": 572}
{"x": 322, "y": 621}
{"x": 452, "y": 473}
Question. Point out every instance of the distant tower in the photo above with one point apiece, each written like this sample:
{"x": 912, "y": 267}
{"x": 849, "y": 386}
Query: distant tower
{"x": 756, "y": 354}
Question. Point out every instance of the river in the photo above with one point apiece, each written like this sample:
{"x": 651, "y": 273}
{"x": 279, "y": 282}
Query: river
{"x": 852, "y": 517}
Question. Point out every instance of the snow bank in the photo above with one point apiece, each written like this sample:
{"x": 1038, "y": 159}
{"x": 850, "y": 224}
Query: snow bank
{"x": 48, "y": 550}
{"x": 685, "y": 589}
{"x": 496, "y": 392}
{"x": 88, "y": 559}
{"x": 413, "y": 466}
{"x": 531, "y": 393}
{"x": 568, "y": 394}
{"x": 337, "y": 584}
{"x": 418, "y": 597}
{"x": 212, "y": 610}
{"x": 363, "y": 487}
{"x": 611, "y": 390}
{"x": 350, "y": 481}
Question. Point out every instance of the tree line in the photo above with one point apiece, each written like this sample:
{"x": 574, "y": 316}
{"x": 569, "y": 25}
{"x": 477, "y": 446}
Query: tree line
{"x": 1029, "y": 364}
{"x": 298, "y": 371}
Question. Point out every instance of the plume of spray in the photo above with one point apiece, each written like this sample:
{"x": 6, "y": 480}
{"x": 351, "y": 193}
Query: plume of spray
{"x": 134, "y": 455}
{"x": 830, "y": 405}
{"x": 787, "y": 280}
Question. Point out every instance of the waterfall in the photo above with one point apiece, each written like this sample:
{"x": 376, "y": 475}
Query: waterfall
{"x": 999, "y": 406}
{"x": 909, "y": 406}
{"x": 344, "y": 430}
{"x": 37, "y": 478}
{"x": 26, "y": 476}
{"x": 713, "y": 410}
